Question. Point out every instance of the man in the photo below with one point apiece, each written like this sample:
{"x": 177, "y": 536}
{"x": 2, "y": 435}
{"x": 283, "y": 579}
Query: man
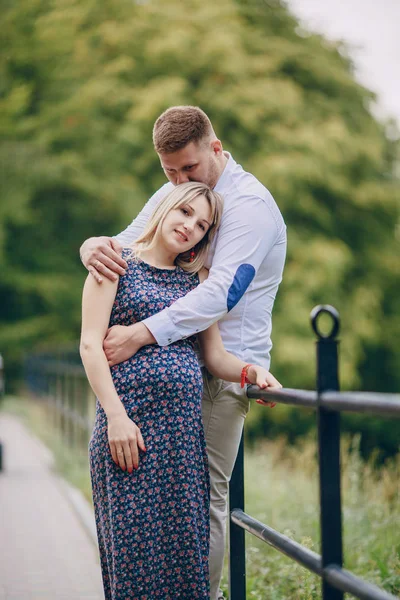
{"x": 246, "y": 263}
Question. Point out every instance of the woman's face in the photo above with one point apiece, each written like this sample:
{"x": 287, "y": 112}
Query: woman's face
{"x": 185, "y": 226}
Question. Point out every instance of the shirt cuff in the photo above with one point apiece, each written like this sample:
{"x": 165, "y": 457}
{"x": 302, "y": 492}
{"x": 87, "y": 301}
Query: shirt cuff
{"x": 162, "y": 328}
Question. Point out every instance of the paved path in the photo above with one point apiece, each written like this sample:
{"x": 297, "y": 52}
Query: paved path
{"x": 45, "y": 553}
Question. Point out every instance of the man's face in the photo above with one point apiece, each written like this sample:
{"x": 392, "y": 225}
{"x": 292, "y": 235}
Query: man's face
{"x": 194, "y": 162}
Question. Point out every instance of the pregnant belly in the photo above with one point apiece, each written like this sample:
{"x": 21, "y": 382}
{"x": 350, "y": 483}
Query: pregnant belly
{"x": 159, "y": 371}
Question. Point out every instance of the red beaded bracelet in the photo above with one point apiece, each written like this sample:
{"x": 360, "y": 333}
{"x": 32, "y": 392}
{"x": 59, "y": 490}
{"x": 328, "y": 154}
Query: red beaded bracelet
{"x": 243, "y": 378}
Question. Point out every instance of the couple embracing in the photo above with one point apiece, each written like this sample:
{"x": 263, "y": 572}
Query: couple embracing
{"x": 176, "y": 319}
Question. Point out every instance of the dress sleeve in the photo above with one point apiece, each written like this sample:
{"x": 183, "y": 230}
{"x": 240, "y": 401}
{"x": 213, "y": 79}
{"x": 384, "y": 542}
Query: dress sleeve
{"x": 132, "y": 232}
{"x": 248, "y": 232}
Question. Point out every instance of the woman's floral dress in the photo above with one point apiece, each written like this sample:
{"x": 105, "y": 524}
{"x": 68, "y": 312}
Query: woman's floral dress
{"x": 153, "y": 524}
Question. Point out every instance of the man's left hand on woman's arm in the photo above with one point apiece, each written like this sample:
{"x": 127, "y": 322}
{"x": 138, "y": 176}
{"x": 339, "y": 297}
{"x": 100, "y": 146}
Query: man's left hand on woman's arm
{"x": 122, "y": 342}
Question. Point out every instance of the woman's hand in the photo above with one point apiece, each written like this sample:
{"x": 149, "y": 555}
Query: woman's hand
{"x": 125, "y": 440}
{"x": 264, "y": 379}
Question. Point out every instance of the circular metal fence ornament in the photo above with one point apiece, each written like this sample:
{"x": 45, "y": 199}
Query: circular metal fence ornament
{"x": 333, "y": 313}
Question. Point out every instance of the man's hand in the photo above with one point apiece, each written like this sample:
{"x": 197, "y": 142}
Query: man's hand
{"x": 122, "y": 342}
{"x": 102, "y": 256}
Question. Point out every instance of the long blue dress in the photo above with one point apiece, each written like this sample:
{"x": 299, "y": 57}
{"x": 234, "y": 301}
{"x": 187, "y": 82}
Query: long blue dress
{"x": 153, "y": 524}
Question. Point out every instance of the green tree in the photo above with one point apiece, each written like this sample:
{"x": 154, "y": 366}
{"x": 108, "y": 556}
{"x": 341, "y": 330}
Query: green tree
{"x": 81, "y": 85}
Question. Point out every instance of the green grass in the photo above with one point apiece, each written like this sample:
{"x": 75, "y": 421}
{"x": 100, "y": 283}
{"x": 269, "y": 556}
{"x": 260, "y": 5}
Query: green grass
{"x": 282, "y": 491}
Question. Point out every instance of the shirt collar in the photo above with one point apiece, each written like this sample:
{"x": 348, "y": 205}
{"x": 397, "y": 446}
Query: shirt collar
{"x": 230, "y": 165}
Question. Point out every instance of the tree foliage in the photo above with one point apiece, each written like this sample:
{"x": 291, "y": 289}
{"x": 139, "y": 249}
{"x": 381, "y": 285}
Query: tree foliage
{"x": 81, "y": 83}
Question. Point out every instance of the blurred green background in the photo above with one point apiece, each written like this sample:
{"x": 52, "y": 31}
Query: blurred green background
{"x": 81, "y": 84}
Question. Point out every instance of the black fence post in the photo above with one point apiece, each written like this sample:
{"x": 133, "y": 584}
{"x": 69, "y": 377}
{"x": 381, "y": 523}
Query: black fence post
{"x": 237, "y": 556}
{"x": 328, "y": 450}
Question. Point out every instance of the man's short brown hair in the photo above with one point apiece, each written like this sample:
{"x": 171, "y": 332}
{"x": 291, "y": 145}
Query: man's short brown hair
{"x": 178, "y": 126}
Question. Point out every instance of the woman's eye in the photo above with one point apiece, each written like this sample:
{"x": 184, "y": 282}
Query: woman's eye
{"x": 202, "y": 227}
{"x": 185, "y": 212}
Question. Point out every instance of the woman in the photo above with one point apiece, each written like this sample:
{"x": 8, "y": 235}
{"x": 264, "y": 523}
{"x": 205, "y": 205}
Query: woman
{"x": 152, "y": 514}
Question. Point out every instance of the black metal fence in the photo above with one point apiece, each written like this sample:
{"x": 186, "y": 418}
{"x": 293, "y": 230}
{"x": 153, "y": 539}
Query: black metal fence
{"x": 328, "y": 403}
{"x": 64, "y": 387}
{"x": 60, "y": 381}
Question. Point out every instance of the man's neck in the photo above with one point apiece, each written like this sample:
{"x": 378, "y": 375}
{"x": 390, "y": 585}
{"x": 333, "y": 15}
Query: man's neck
{"x": 222, "y": 162}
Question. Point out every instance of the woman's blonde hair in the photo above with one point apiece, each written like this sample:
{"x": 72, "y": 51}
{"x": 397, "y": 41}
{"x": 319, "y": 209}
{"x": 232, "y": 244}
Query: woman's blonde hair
{"x": 182, "y": 194}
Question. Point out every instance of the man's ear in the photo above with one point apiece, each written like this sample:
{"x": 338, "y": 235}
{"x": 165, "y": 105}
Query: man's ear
{"x": 216, "y": 147}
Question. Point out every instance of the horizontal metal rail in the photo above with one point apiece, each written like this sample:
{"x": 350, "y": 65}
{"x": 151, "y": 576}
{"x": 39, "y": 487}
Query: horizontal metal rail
{"x": 340, "y": 578}
{"x": 305, "y": 398}
{"x": 363, "y": 402}
{"x": 347, "y": 582}
{"x": 307, "y": 558}
{"x": 360, "y": 402}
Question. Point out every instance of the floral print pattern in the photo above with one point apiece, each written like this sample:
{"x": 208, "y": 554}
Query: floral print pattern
{"x": 153, "y": 524}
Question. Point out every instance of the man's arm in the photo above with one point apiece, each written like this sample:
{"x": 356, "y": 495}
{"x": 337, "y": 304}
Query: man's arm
{"x": 102, "y": 255}
{"x": 247, "y": 234}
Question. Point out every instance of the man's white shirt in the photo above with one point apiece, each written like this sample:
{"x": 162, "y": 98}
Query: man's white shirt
{"x": 246, "y": 261}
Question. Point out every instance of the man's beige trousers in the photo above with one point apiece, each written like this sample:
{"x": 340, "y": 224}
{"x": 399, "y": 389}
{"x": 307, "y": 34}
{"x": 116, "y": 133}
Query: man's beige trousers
{"x": 225, "y": 406}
